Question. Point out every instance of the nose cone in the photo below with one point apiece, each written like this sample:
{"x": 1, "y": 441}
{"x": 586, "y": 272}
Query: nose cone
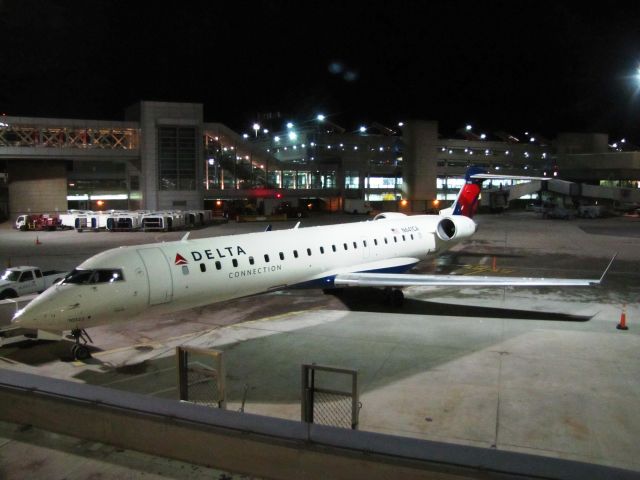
{"x": 49, "y": 310}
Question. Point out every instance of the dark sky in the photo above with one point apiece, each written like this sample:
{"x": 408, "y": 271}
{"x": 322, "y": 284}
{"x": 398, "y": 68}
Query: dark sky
{"x": 511, "y": 65}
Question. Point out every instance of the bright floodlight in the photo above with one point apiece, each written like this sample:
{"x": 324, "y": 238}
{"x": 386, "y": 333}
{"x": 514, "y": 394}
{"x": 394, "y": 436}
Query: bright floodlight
{"x": 289, "y": 125}
{"x": 320, "y": 117}
{"x": 244, "y": 135}
{"x": 401, "y": 124}
{"x": 256, "y": 126}
{"x": 468, "y": 128}
{"x": 276, "y": 138}
{"x": 363, "y": 129}
{"x": 292, "y": 135}
{"x": 483, "y": 136}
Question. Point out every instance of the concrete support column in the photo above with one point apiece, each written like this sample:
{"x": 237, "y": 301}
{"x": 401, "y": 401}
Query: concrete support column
{"x": 37, "y": 187}
{"x": 420, "y": 162}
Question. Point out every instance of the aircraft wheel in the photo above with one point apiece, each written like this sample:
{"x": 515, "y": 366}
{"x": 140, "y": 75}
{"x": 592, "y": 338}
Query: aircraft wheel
{"x": 80, "y": 352}
{"x": 396, "y": 298}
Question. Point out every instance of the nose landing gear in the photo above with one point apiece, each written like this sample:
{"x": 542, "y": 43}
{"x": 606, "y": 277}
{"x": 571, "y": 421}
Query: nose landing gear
{"x": 80, "y": 351}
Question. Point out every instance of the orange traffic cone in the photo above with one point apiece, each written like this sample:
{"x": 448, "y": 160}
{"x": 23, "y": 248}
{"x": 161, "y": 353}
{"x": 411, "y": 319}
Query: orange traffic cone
{"x": 38, "y": 242}
{"x": 623, "y": 319}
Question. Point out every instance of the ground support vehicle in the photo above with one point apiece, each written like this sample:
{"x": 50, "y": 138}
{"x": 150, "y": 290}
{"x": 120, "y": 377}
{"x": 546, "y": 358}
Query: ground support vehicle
{"x": 24, "y": 280}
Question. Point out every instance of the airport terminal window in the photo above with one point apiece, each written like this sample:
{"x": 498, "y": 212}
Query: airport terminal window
{"x": 218, "y": 265}
{"x": 295, "y": 253}
{"x": 83, "y": 277}
{"x": 266, "y": 258}
{"x": 203, "y": 267}
{"x": 234, "y": 262}
{"x": 281, "y": 256}
{"x": 251, "y": 261}
{"x": 177, "y": 158}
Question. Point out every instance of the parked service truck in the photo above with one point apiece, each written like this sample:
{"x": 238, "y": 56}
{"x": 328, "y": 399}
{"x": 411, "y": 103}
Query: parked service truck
{"x": 19, "y": 281}
{"x": 357, "y": 206}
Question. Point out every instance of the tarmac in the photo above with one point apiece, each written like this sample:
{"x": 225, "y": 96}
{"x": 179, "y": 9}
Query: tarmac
{"x": 537, "y": 370}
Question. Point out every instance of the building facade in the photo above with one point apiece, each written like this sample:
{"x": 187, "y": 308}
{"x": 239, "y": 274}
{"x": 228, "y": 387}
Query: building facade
{"x": 165, "y": 156}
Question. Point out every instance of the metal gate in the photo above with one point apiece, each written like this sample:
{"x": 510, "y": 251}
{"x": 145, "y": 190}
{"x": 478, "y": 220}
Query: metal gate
{"x": 201, "y": 376}
{"x": 330, "y": 396}
{"x": 159, "y": 275}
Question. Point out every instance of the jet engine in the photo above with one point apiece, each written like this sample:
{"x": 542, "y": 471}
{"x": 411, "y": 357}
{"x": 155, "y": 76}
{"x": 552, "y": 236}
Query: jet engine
{"x": 455, "y": 228}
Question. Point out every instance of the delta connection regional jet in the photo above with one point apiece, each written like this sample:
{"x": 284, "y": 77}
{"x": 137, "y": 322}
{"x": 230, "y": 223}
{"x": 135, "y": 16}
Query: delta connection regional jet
{"x": 122, "y": 283}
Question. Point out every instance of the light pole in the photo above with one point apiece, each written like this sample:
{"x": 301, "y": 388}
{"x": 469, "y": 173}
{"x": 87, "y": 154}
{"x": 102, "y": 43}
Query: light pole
{"x": 256, "y": 127}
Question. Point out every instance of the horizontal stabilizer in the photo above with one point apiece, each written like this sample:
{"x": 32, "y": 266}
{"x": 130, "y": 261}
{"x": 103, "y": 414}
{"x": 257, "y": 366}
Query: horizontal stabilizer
{"x": 408, "y": 280}
{"x": 492, "y": 176}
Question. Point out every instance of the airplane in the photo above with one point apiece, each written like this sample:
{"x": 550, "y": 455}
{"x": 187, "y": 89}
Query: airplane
{"x": 122, "y": 283}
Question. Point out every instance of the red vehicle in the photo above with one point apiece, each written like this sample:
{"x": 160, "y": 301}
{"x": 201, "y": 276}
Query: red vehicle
{"x": 38, "y": 222}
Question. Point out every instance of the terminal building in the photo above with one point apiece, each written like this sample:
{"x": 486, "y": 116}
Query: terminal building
{"x": 166, "y": 156}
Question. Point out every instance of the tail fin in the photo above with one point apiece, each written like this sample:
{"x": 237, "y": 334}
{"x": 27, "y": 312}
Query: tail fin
{"x": 466, "y": 202}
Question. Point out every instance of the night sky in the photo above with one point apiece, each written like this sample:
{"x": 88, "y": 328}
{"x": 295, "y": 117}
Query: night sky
{"x": 542, "y": 66}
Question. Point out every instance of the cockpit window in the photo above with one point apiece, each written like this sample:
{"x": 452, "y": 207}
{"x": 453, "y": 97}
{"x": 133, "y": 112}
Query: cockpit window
{"x": 85, "y": 277}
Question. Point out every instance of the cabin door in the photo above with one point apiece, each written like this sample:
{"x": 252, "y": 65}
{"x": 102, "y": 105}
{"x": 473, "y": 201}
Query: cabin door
{"x": 159, "y": 275}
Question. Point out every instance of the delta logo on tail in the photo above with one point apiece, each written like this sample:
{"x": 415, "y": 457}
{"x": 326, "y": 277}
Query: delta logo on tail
{"x": 180, "y": 260}
{"x": 467, "y": 202}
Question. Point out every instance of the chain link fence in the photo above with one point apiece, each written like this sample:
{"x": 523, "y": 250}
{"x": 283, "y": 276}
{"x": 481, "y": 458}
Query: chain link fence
{"x": 201, "y": 376}
{"x": 330, "y": 396}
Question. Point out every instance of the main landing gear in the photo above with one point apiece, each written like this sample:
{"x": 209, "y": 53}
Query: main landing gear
{"x": 394, "y": 297}
{"x": 80, "y": 351}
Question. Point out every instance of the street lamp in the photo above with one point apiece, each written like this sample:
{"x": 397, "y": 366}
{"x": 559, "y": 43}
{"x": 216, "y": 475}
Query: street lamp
{"x": 321, "y": 117}
{"x": 256, "y": 127}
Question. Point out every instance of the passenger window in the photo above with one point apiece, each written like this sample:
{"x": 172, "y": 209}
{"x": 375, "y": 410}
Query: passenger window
{"x": 385, "y": 240}
{"x": 345, "y": 246}
{"x": 38, "y": 274}
{"x": 203, "y": 267}
{"x": 404, "y": 239}
{"x": 234, "y": 262}
{"x": 295, "y": 253}
{"x": 26, "y": 276}
{"x": 412, "y": 236}
{"x": 321, "y": 249}
{"x": 355, "y": 245}
{"x": 375, "y": 242}
{"x": 185, "y": 270}
{"x": 395, "y": 239}
{"x": 218, "y": 265}
{"x": 309, "y": 251}
{"x": 333, "y": 247}
{"x": 251, "y": 261}
{"x": 364, "y": 243}
{"x": 266, "y": 257}
{"x": 281, "y": 256}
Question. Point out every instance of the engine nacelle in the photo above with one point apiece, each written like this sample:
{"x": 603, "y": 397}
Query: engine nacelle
{"x": 386, "y": 215}
{"x": 456, "y": 227}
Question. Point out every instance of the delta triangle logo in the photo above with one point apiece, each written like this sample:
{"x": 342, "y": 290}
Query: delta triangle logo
{"x": 180, "y": 260}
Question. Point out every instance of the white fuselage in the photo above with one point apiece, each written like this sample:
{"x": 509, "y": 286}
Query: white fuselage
{"x": 171, "y": 276}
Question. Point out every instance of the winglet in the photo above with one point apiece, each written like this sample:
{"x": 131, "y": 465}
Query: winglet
{"x": 186, "y": 236}
{"x": 297, "y": 225}
{"x": 608, "y": 267}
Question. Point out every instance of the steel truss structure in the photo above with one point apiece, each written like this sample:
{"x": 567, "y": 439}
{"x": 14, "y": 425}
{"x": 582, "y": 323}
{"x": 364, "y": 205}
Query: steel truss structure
{"x": 68, "y": 137}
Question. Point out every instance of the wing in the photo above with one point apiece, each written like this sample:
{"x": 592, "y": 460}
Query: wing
{"x": 408, "y": 280}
